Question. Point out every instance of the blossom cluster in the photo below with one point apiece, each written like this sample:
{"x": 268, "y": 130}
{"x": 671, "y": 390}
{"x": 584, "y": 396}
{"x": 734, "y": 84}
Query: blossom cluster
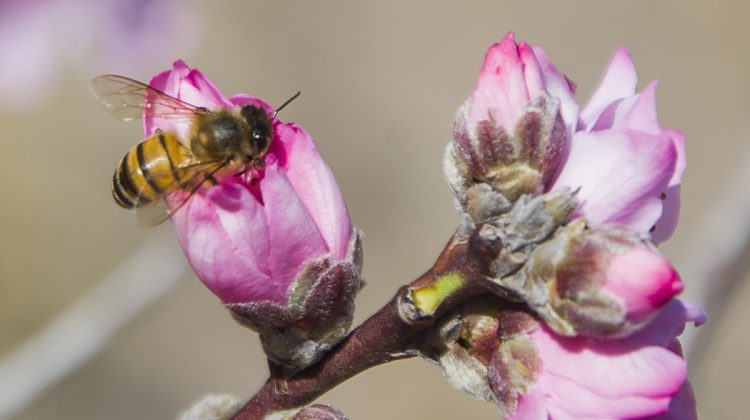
{"x": 597, "y": 336}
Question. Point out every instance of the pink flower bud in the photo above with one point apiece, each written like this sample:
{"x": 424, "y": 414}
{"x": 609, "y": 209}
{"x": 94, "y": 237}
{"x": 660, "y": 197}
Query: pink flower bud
{"x": 276, "y": 243}
{"x": 599, "y": 282}
{"x": 247, "y": 239}
{"x": 642, "y": 280}
{"x": 512, "y": 132}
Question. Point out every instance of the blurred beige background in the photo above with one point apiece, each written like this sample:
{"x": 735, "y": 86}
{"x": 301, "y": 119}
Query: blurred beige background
{"x": 380, "y": 81}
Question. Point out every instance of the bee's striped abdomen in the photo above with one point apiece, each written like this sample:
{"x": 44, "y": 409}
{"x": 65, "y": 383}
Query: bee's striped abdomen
{"x": 149, "y": 170}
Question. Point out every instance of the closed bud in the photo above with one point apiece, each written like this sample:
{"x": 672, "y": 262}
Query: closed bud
{"x": 512, "y": 133}
{"x": 599, "y": 282}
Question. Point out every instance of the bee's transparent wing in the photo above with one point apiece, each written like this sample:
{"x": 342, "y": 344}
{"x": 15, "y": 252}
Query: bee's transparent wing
{"x": 129, "y": 99}
{"x": 194, "y": 176}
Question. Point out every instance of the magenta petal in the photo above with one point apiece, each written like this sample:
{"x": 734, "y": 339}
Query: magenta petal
{"x": 316, "y": 187}
{"x": 295, "y": 237}
{"x": 213, "y": 235}
{"x": 621, "y": 176}
{"x": 619, "y": 82}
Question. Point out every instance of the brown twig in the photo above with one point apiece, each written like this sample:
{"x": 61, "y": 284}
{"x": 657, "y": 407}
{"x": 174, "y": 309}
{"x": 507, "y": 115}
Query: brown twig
{"x": 384, "y": 337}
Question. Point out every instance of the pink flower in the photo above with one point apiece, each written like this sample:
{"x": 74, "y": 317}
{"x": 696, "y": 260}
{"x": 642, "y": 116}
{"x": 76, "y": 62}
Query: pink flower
{"x": 626, "y": 167}
{"x": 637, "y": 376}
{"x": 249, "y": 242}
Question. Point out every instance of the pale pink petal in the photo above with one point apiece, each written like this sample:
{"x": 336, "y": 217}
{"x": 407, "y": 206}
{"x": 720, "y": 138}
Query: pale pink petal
{"x": 621, "y": 176}
{"x": 619, "y": 82}
{"x": 532, "y": 71}
{"x": 639, "y": 112}
{"x": 531, "y": 406}
{"x": 315, "y": 185}
{"x": 560, "y": 87}
{"x": 219, "y": 254}
{"x": 667, "y": 223}
{"x": 295, "y": 236}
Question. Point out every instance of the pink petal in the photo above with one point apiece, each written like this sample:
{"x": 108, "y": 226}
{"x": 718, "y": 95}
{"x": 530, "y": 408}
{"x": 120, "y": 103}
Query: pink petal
{"x": 222, "y": 232}
{"x": 316, "y": 187}
{"x": 667, "y": 224}
{"x": 501, "y": 90}
{"x": 149, "y": 123}
{"x": 197, "y": 90}
{"x": 532, "y": 72}
{"x": 295, "y": 237}
{"x": 682, "y": 407}
{"x": 619, "y": 82}
{"x": 642, "y": 280}
{"x": 621, "y": 176}
{"x": 559, "y": 86}
{"x": 631, "y": 377}
{"x": 531, "y": 406}
{"x": 641, "y": 113}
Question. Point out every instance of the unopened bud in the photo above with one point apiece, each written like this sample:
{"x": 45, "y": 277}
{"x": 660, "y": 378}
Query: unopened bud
{"x": 599, "y": 282}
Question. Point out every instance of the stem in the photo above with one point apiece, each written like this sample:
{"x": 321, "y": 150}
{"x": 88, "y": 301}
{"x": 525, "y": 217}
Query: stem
{"x": 384, "y": 337}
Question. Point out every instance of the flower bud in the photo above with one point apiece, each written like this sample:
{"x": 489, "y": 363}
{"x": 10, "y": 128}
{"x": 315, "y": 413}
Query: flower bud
{"x": 512, "y": 132}
{"x": 599, "y": 282}
{"x": 277, "y": 238}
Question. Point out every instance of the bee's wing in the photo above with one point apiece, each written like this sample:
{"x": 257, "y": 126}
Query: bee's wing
{"x": 193, "y": 177}
{"x": 128, "y": 99}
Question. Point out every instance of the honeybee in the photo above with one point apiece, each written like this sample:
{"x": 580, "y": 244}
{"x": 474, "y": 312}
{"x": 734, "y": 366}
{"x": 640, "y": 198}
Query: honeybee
{"x": 220, "y": 141}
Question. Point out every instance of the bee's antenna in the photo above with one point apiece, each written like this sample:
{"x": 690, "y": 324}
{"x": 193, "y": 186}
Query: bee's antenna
{"x": 276, "y": 112}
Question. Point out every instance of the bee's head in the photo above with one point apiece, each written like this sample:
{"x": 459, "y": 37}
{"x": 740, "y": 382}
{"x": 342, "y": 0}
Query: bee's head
{"x": 260, "y": 128}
